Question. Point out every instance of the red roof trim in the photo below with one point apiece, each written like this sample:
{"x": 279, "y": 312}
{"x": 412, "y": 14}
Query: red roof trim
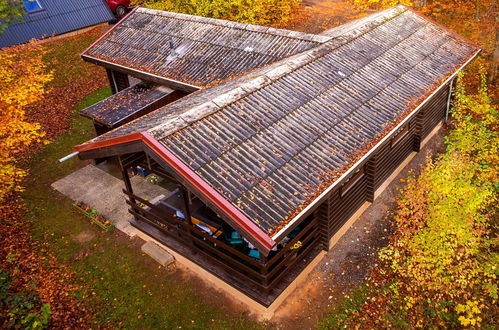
{"x": 109, "y": 31}
{"x": 237, "y": 216}
{"x": 109, "y": 142}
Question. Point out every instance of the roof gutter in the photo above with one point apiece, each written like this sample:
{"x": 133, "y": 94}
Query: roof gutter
{"x": 281, "y": 233}
{"x": 174, "y": 84}
{"x": 230, "y": 210}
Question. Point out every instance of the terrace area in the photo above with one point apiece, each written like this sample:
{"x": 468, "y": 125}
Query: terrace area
{"x": 163, "y": 209}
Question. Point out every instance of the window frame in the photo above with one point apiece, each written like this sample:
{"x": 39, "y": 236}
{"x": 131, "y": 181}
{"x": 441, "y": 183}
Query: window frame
{"x": 35, "y": 10}
{"x": 352, "y": 180}
{"x": 399, "y": 134}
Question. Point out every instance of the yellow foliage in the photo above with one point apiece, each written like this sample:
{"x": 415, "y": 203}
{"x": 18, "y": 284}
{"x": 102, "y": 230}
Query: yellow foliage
{"x": 23, "y": 76}
{"x": 245, "y": 11}
{"x": 365, "y": 5}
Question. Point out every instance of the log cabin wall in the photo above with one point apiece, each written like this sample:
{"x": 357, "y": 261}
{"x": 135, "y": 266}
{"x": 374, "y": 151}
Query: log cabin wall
{"x": 393, "y": 153}
{"x": 117, "y": 80}
{"x": 360, "y": 187}
{"x": 434, "y": 111}
{"x": 345, "y": 201}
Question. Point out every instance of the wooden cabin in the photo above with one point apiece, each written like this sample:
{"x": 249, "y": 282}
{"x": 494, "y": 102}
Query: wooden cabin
{"x": 280, "y": 136}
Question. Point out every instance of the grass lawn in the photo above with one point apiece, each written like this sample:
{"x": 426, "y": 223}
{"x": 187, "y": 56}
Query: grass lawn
{"x": 122, "y": 287}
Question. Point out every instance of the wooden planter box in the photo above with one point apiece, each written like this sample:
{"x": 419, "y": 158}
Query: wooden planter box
{"x": 95, "y": 217}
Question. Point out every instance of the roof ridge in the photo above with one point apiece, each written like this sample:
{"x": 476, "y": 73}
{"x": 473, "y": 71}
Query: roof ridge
{"x": 286, "y": 66}
{"x": 366, "y": 22}
{"x": 237, "y": 25}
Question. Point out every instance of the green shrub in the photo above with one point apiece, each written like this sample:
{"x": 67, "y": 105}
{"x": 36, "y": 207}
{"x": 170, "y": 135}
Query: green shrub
{"x": 246, "y": 11}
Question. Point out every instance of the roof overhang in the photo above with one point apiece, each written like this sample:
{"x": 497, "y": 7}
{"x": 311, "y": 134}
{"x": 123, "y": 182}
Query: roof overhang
{"x": 254, "y": 234}
{"x": 172, "y": 83}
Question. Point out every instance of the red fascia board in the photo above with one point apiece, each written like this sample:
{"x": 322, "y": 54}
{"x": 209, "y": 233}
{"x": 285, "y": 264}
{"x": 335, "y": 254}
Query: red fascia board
{"x": 108, "y": 142}
{"x": 230, "y": 210}
{"x": 109, "y": 31}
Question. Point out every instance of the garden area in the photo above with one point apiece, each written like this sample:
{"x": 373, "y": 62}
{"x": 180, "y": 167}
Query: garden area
{"x": 58, "y": 269}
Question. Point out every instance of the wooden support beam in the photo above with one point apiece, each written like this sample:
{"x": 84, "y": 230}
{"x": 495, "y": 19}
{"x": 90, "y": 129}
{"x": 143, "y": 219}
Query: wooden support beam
{"x": 418, "y": 132}
{"x": 322, "y": 216}
{"x": 126, "y": 179}
{"x": 186, "y": 209}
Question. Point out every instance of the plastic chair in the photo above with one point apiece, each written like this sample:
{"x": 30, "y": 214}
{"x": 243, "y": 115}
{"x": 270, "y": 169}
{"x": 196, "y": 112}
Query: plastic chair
{"x": 235, "y": 238}
{"x": 255, "y": 254}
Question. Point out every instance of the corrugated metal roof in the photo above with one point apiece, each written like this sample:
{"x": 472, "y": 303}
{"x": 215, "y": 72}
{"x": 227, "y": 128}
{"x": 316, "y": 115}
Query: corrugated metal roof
{"x": 195, "y": 50}
{"x": 56, "y": 17}
{"x": 118, "y": 107}
{"x": 272, "y": 140}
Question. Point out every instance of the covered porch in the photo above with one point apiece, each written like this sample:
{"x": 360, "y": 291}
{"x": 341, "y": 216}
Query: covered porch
{"x": 183, "y": 222}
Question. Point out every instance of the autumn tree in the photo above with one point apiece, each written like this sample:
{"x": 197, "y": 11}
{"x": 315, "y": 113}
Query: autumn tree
{"x": 10, "y": 11}
{"x": 23, "y": 76}
{"x": 245, "y": 11}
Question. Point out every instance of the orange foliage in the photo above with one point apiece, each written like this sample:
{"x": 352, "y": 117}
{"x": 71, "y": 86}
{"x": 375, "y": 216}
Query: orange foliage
{"x": 23, "y": 76}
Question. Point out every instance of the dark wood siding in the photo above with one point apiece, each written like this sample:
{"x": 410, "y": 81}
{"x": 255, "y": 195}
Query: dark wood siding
{"x": 117, "y": 80}
{"x": 342, "y": 206}
{"x": 393, "y": 153}
{"x": 434, "y": 111}
{"x": 336, "y": 211}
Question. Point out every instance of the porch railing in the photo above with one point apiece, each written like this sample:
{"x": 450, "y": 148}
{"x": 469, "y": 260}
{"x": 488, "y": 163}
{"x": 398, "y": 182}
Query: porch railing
{"x": 264, "y": 275}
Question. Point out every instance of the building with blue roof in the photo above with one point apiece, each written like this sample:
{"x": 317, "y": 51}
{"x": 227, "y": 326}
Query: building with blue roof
{"x": 45, "y": 18}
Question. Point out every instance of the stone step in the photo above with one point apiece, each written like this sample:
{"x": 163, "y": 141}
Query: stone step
{"x": 162, "y": 256}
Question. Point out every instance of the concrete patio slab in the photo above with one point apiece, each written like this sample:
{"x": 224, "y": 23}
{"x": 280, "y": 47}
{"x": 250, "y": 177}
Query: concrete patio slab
{"x": 103, "y": 192}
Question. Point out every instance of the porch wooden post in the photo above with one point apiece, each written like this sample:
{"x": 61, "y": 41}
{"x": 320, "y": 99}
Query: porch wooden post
{"x": 418, "y": 132}
{"x": 187, "y": 212}
{"x": 126, "y": 179}
{"x": 186, "y": 208}
{"x": 264, "y": 271}
{"x": 322, "y": 216}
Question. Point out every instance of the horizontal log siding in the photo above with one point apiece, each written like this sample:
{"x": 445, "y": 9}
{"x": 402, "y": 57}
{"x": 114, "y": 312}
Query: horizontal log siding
{"x": 117, "y": 80}
{"x": 434, "y": 111}
{"x": 341, "y": 208}
{"x": 381, "y": 165}
{"x": 389, "y": 157}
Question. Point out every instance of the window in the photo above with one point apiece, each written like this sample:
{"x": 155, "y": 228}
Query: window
{"x": 354, "y": 178}
{"x": 32, "y": 5}
{"x": 399, "y": 134}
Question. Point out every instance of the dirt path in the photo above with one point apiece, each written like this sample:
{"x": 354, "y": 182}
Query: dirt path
{"x": 347, "y": 263}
